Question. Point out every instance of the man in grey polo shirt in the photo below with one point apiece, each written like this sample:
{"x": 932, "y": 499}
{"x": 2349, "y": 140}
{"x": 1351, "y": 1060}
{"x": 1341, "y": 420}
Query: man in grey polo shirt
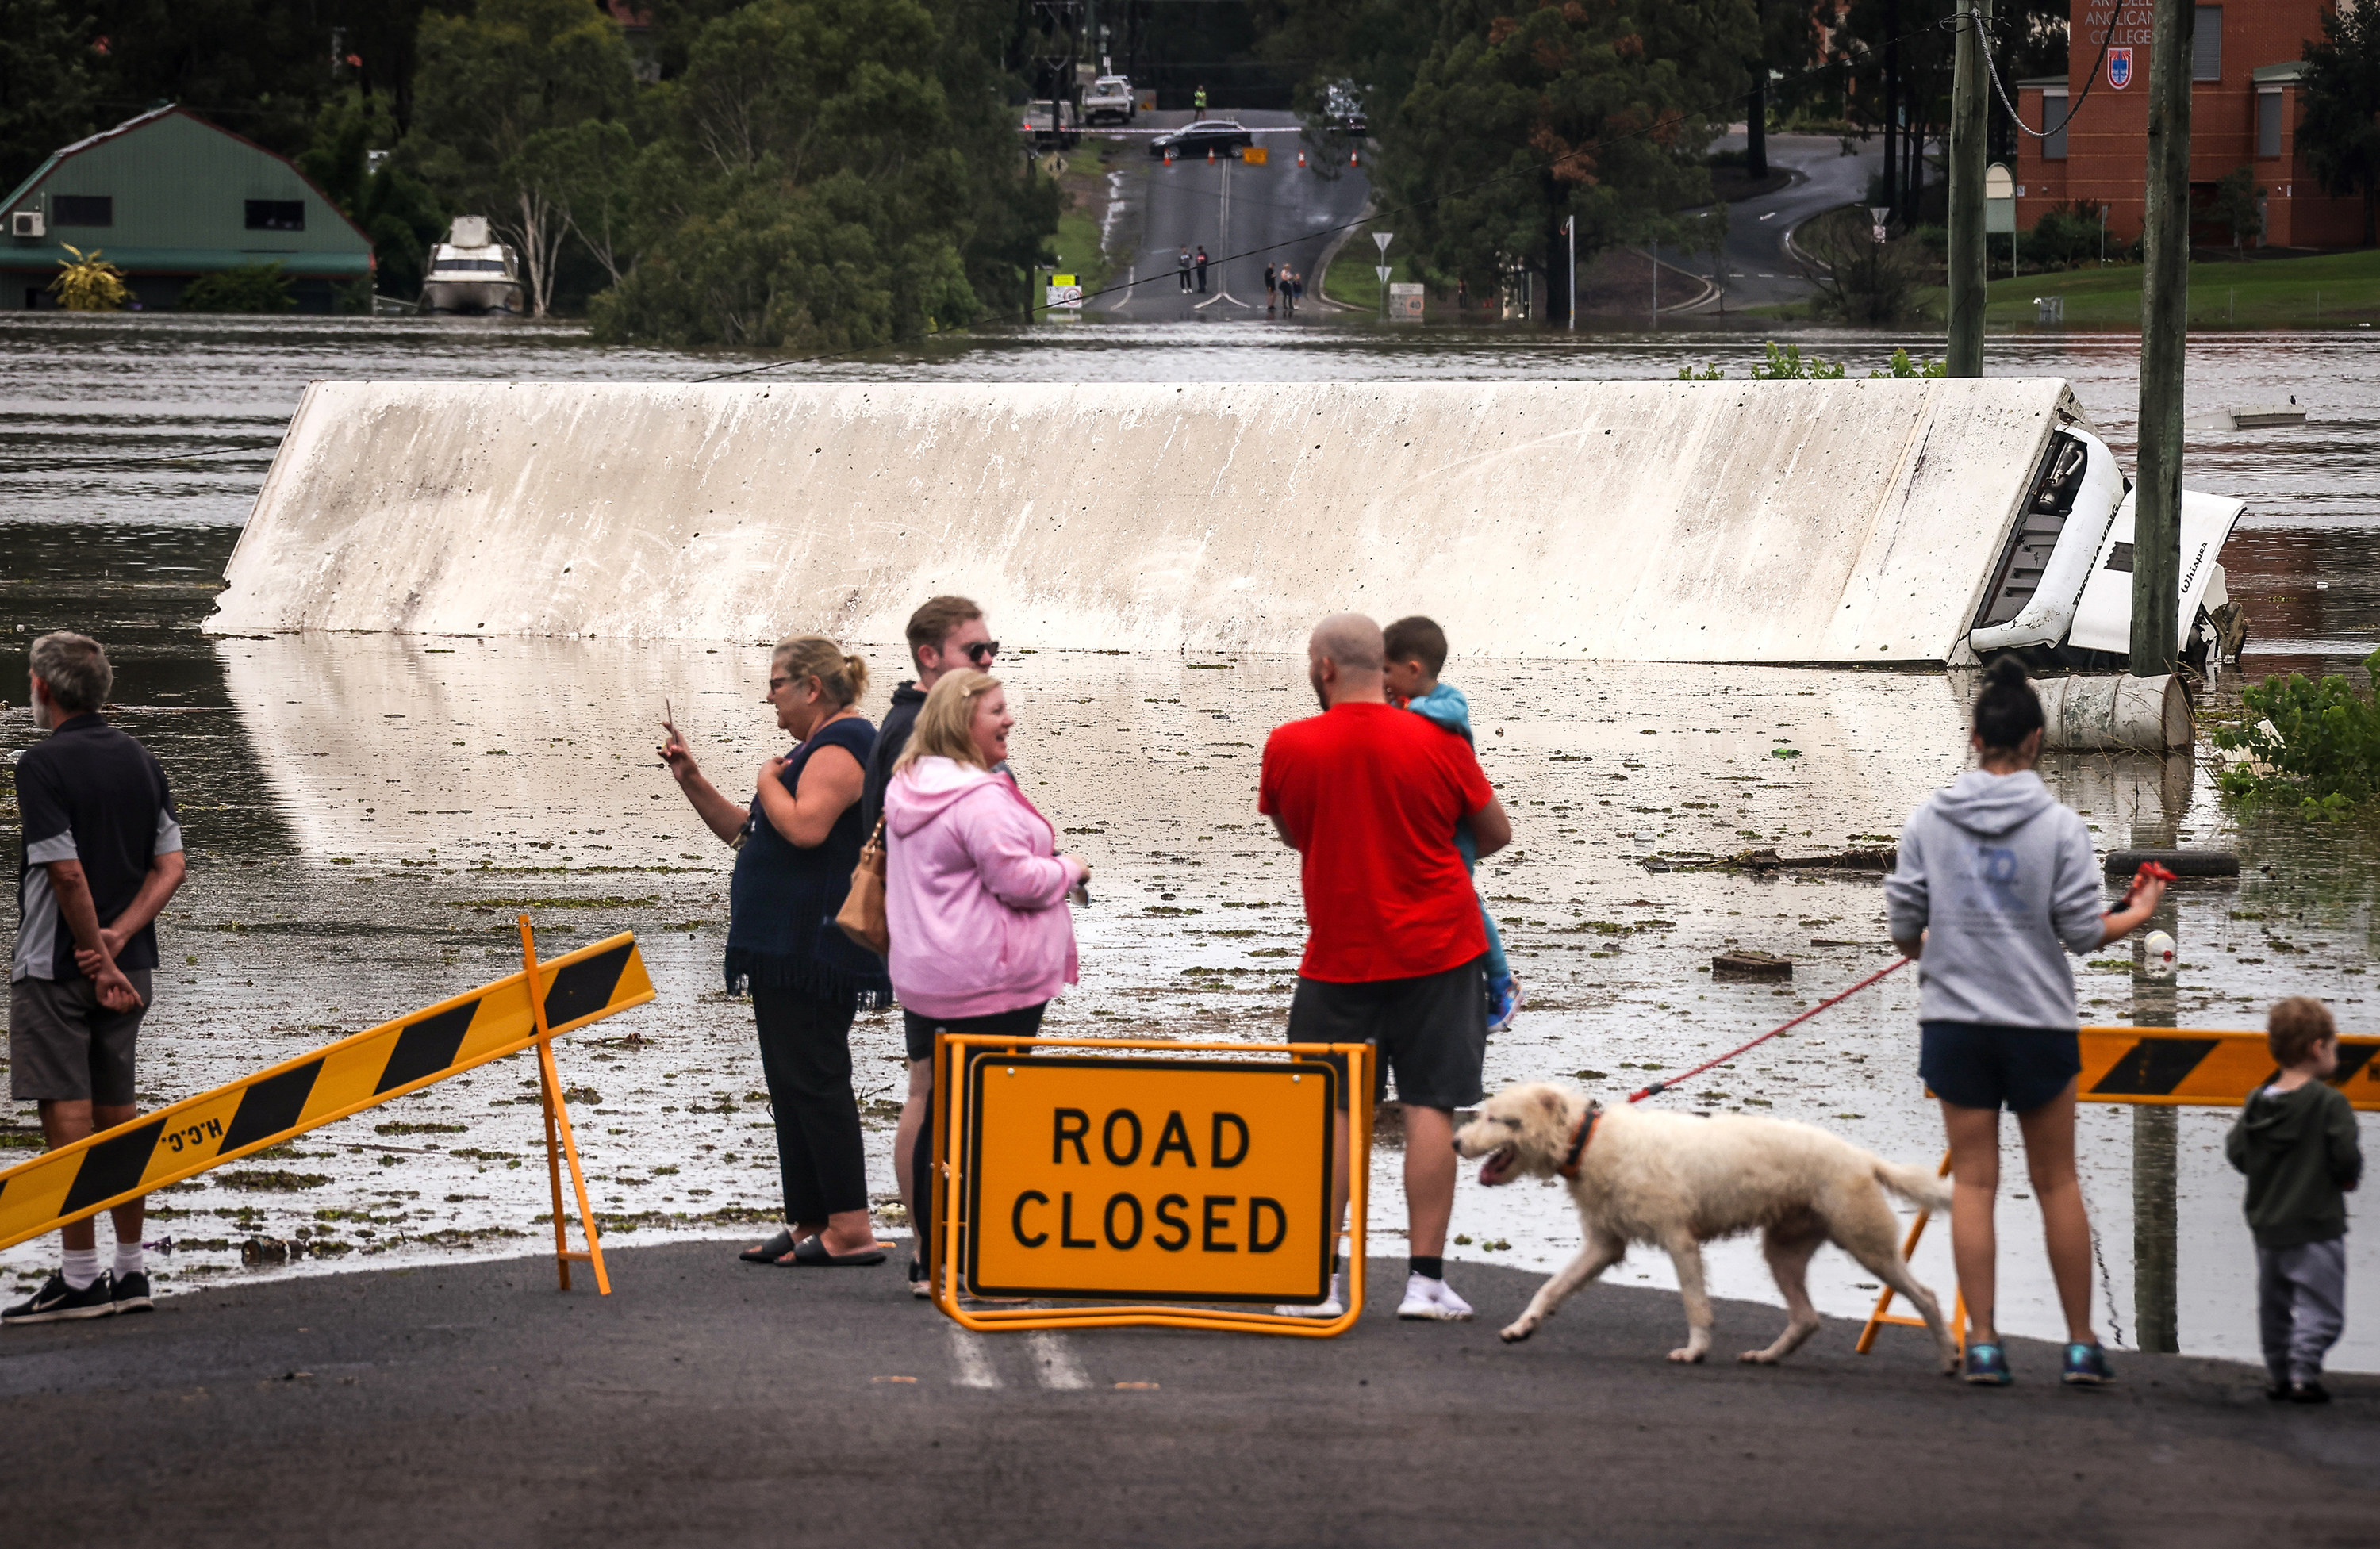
{"x": 102, "y": 853}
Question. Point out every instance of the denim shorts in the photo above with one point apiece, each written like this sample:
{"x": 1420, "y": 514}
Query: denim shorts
{"x": 1981, "y": 1065}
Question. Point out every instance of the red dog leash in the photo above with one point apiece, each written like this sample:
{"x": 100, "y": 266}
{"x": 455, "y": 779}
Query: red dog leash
{"x": 1661, "y": 1086}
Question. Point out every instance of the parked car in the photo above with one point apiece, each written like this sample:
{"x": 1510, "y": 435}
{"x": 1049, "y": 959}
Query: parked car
{"x": 1063, "y": 132}
{"x": 1109, "y": 101}
{"x": 1206, "y": 134}
{"x": 1343, "y": 109}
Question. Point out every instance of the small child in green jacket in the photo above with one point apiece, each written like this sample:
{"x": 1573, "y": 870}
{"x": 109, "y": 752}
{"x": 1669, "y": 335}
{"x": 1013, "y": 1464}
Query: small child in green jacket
{"x": 2296, "y": 1141}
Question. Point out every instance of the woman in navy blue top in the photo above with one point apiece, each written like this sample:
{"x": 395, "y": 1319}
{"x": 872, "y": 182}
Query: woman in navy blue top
{"x": 795, "y": 848}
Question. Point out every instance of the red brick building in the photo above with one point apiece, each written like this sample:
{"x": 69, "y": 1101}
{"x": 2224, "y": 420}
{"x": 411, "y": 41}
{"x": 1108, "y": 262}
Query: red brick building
{"x": 2244, "y": 111}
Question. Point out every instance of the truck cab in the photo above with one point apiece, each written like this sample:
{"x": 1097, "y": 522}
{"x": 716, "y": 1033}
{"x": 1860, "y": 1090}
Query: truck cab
{"x": 1109, "y": 101}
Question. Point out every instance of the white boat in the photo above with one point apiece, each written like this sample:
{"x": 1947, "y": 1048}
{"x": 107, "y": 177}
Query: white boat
{"x": 470, "y": 273}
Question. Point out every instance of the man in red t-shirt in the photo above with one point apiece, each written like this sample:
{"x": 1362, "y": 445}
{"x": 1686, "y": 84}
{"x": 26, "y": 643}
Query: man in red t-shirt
{"x": 1369, "y": 797}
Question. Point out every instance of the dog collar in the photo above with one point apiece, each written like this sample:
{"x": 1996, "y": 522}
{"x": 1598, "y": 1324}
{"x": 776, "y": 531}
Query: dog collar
{"x": 1568, "y": 1167}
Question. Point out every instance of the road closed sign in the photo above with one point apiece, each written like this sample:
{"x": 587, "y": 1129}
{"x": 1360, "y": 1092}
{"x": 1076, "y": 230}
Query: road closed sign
{"x": 1200, "y": 1180}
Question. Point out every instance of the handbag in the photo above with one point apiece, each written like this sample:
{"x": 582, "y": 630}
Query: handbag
{"x": 862, "y": 915}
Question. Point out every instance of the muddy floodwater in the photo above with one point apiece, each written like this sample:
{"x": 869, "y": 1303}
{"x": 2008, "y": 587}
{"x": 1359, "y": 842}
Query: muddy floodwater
{"x": 367, "y": 814}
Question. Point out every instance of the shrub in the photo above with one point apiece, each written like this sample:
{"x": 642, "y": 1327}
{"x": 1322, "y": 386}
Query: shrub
{"x": 252, "y": 287}
{"x": 88, "y": 283}
{"x": 1865, "y": 281}
{"x": 2316, "y": 742}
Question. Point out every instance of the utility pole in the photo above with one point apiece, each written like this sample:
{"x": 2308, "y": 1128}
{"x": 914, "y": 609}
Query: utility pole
{"x": 1891, "y": 108}
{"x": 2165, "y": 323}
{"x": 1969, "y": 96}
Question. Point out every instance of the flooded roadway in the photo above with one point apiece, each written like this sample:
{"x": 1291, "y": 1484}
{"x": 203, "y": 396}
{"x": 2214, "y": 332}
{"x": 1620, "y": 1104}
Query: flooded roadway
{"x": 367, "y": 814}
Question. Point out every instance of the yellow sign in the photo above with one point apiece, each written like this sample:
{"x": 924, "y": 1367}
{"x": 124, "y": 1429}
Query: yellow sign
{"x": 331, "y": 1082}
{"x": 1255, "y": 155}
{"x": 1203, "y": 1180}
{"x": 2173, "y": 1067}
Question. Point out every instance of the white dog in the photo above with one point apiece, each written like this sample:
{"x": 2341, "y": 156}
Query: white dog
{"x": 1676, "y": 1181}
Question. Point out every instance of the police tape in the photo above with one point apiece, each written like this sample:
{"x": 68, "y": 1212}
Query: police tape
{"x": 2174, "y": 1066}
{"x": 249, "y": 1115}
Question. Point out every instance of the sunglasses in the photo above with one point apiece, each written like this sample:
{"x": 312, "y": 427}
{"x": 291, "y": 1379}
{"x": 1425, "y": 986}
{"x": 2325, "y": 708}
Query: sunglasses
{"x": 982, "y": 651}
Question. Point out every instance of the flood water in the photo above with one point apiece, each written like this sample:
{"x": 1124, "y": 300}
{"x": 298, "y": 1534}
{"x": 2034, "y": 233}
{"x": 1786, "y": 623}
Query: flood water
{"x": 367, "y": 814}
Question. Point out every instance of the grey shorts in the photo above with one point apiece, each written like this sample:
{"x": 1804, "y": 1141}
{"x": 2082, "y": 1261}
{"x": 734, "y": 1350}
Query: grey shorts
{"x": 65, "y": 1047}
{"x": 1432, "y": 1031}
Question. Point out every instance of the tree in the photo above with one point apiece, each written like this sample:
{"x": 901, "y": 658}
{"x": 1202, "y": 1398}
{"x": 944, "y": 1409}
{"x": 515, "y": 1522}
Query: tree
{"x": 2340, "y": 133}
{"x": 396, "y": 211}
{"x": 1860, "y": 279}
{"x": 49, "y": 85}
{"x": 818, "y": 184}
{"x": 1517, "y": 122}
{"x": 490, "y": 87}
{"x": 2238, "y": 205}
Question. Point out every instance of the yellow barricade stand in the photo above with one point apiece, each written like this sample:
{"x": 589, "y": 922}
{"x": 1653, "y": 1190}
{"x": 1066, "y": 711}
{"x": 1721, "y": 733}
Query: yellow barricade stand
{"x": 1142, "y": 1177}
{"x": 2164, "y": 1067}
{"x": 533, "y": 1007}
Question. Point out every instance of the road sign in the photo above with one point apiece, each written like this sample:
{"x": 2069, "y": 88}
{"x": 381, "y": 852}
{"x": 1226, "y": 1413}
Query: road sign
{"x": 1383, "y": 271}
{"x": 339, "y": 1079}
{"x": 1065, "y": 293}
{"x": 1405, "y": 301}
{"x": 1381, "y": 239}
{"x": 1999, "y": 200}
{"x": 1180, "y": 1173}
{"x": 1255, "y": 156}
{"x": 1206, "y": 1180}
{"x": 2178, "y": 1067}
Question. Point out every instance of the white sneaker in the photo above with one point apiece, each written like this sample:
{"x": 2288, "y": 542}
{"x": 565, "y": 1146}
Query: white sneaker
{"x": 1331, "y": 1307}
{"x": 1434, "y": 1300}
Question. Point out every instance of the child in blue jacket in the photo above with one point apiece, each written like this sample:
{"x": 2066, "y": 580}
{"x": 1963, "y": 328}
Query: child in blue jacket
{"x": 1417, "y": 652}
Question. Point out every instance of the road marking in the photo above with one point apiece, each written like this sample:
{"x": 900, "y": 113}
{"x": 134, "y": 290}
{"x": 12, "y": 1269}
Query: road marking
{"x": 1057, "y": 1364}
{"x": 1771, "y": 215}
{"x": 971, "y": 1354}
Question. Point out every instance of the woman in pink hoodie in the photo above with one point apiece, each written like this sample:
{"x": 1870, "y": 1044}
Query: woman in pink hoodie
{"x": 974, "y": 889}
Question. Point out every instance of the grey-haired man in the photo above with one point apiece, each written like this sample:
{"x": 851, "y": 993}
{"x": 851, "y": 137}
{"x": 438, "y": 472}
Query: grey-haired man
{"x": 102, "y": 851}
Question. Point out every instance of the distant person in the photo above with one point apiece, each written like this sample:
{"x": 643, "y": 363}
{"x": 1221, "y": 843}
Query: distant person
{"x": 946, "y": 635}
{"x": 796, "y": 844}
{"x": 1272, "y": 285}
{"x": 2296, "y": 1140}
{"x": 1994, "y": 885}
{"x": 100, "y": 852}
{"x": 1369, "y": 796}
{"x": 1201, "y": 261}
{"x": 1181, "y": 266}
{"x": 1417, "y": 652}
{"x": 1296, "y": 290}
{"x": 974, "y": 890}
{"x": 1199, "y": 102}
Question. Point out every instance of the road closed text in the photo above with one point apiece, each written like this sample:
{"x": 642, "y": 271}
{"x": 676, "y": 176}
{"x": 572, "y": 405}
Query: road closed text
{"x": 1155, "y": 1178}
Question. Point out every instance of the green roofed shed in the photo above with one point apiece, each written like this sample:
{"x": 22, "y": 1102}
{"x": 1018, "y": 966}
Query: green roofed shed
{"x": 168, "y": 197}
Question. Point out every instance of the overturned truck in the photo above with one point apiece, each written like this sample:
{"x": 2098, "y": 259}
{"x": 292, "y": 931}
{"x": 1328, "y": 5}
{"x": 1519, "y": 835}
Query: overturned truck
{"x": 1873, "y": 522}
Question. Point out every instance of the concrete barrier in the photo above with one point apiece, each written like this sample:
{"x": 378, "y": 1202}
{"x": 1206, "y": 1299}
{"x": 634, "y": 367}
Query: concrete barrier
{"x": 1793, "y": 521}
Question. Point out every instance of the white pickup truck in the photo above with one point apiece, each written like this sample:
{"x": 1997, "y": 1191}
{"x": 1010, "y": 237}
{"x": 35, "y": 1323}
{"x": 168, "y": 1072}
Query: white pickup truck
{"x": 2063, "y": 585}
{"x": 1109, "y": 101}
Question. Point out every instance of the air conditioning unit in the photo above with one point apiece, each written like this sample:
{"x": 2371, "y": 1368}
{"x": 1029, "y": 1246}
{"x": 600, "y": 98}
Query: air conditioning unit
{"x": 26, "y": 222}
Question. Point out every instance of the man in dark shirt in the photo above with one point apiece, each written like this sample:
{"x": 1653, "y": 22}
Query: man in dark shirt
{"x": 102, "y": 851}
{"x": 946, "y": 635}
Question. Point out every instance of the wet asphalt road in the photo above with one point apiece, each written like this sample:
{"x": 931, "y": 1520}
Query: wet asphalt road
{"x": 709, "y": 1402}
{"x": 1245, "y": 215}
{"x": 1761, "y": 270}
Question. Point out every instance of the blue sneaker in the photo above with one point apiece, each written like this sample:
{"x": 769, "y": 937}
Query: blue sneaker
{"x": 1504, "y": 1003}
{"x": 1986, "y": 1367}
{"x": 2087, "y": 1366}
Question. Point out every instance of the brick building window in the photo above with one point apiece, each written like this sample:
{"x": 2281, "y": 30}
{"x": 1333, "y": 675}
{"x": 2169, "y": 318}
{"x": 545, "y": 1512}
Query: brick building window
{"x": 276, "y": 214}
{"x": 2268, "y": 123}
{"x": 83, "y": 209}
{"x": 2206, "y": 44}
{"x": 2053, "y": 119}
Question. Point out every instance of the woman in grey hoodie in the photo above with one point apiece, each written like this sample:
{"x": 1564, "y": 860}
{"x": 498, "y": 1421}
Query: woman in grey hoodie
{"x": 1995, "y": 884}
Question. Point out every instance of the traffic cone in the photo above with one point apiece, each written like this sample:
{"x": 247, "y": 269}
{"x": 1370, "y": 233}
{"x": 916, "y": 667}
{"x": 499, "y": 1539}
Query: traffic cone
{"x": 1351, "y": 157}
{"x": 1210, "y": 155}
{"x": 1169, "y": 155}
{"x": 1301, "y": 158}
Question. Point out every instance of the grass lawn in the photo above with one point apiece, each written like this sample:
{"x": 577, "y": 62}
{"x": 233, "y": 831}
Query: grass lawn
{"x": 2334, "y": 290}
{"x": 1352, "y": 280}
{"x": 1077, "y": 242}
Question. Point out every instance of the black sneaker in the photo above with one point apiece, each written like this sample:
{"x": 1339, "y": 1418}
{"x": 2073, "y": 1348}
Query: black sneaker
{"x": 2309, "y": 1392}
{"x": 55, "y": 1301}
{"x": 131, "y": 1293}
